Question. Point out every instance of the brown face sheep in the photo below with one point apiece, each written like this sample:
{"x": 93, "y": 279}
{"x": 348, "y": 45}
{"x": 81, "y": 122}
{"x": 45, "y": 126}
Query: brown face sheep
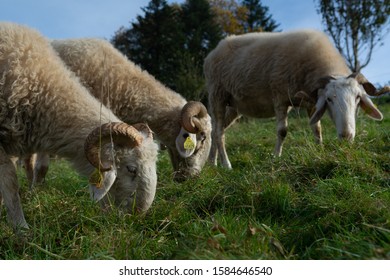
{"x": 263, "y": 75}
{"x": 43, "y": 108}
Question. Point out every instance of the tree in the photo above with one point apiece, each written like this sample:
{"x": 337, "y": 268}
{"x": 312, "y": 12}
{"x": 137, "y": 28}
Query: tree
{"x": 154, "y": 40}
{"x": 356, "y": 27}
{"x": 229, "y": 15}
{"x": 201, "y": 31}
{"x": 258, "y": 18}
{"x": 242, "y": 17}
{"x": 171, "y": 42}
{"x": 201, "y": 34}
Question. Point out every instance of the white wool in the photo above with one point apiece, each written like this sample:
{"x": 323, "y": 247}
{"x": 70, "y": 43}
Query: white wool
{"x": 44, "y": 108}
{"x": 135, "y": 96}
{"x": 264, "y": 74}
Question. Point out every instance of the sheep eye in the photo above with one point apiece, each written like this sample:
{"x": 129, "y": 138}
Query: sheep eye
{"x": 132, "y": 170}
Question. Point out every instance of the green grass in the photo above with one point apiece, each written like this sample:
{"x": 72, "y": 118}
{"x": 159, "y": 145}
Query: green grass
{"x": 315, "y": 202}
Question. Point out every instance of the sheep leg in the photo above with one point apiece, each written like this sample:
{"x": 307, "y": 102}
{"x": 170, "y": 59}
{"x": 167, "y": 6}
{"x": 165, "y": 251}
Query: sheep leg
{"x": 41, "y": 167}
{"x": 213, "y": 155}
{"x": 9, "y": 190}
{"x": 218, "y": 137}
{"x": 317, "y": 131}
{"x": 281, "y": 128}
{"x": 316, "y": 128}
{"x": 231, "y": 116}
{"x": 36, "y": 167}
{"x": 181, "y": 170}
{"x": 173, "y": 154}
{"x": 222, "y": 151}
{"x": 28, "y": 164}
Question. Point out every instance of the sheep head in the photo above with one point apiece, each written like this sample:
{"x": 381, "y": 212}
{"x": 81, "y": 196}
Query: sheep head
{"x": 342, "y": 97}
{"x": 125, "y": 160}
{"x": 193, "y": 141}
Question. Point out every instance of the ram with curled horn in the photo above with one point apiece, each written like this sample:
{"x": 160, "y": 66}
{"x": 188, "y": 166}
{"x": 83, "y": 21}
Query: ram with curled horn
{"x": 191, "y": 117}
{"x": 64, "y": 120}
{"x": 183, "y": 127}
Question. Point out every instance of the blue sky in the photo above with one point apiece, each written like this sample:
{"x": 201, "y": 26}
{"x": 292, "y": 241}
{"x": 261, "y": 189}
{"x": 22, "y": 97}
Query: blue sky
{"x": 101, "y": 18}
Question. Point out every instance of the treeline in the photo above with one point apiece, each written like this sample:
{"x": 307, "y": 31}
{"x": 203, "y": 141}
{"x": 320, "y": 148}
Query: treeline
{"x": 170, "y": 41}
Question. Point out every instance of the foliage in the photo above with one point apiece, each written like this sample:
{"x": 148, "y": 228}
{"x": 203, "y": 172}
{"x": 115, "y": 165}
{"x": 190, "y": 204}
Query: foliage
{"x": 189, "y": 80}
{"x": 154, "y": 41}
{"x": 229, "y": 15}
{"x": 258, "y": 18}
{"x": 201, "y": 34}
{"x": 315, "y": 202}
{"x": 170, "y": 40}
{"x": 356, "y": 27}
{"x": 243, "y": 17}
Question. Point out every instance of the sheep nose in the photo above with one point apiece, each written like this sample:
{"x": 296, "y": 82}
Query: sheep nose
{"x": 346, "y": 135}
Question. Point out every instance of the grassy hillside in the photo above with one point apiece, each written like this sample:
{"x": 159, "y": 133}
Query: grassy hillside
{"x": 315, "y": 202}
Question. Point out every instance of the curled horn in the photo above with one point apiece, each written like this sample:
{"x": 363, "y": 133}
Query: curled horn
{"x": 122, "y": 134}
{"x": 368, "y": 87}
{"x": 144, "y": 128}
{"x": 190, "y": 115}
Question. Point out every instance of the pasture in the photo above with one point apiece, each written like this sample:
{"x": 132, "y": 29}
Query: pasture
{"x": 315, "y": 202}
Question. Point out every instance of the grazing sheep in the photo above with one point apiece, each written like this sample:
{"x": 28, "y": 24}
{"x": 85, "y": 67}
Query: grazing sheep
{"x": 264, "y": 74}
{"x": 136, "y": 96}
{"x": 44, "y": 108}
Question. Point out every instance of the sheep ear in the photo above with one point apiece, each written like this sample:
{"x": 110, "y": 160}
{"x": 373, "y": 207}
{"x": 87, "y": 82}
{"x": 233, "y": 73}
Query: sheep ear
{"x": 101, "y": 182}
{"x": 369, "y": 108}
{"x": 324, "y": 81}
{"x": 303, "y": 96}
{"x": 319, "y": 110}
{"x": 368, "y": 87}
{"x": 185, "y": 143}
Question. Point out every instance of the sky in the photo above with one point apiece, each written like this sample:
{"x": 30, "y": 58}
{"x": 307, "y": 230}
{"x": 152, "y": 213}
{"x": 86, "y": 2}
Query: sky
{"x": 59, "y": 19}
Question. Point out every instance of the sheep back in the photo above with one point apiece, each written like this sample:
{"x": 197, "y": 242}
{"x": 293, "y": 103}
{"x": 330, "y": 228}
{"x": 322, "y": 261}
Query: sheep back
{"x": 40, "y": 99}
{"x": 259, "y": 68}
{"x": 118, "y": 82}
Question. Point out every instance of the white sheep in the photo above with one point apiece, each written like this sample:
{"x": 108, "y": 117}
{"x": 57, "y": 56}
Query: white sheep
{"x": 136, "y": 96}
{"x": 44, "y": 108}
{"x": 264, "y": 74}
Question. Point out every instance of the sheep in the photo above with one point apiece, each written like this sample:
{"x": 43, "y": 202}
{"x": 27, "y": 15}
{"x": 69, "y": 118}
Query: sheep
{"x": 263, "y": 75}
{"x": 45, "y": 109}
{"x": 136, "y": 96}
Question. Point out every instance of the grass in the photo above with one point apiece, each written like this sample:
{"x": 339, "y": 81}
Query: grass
{"x": 315, "y": 202}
